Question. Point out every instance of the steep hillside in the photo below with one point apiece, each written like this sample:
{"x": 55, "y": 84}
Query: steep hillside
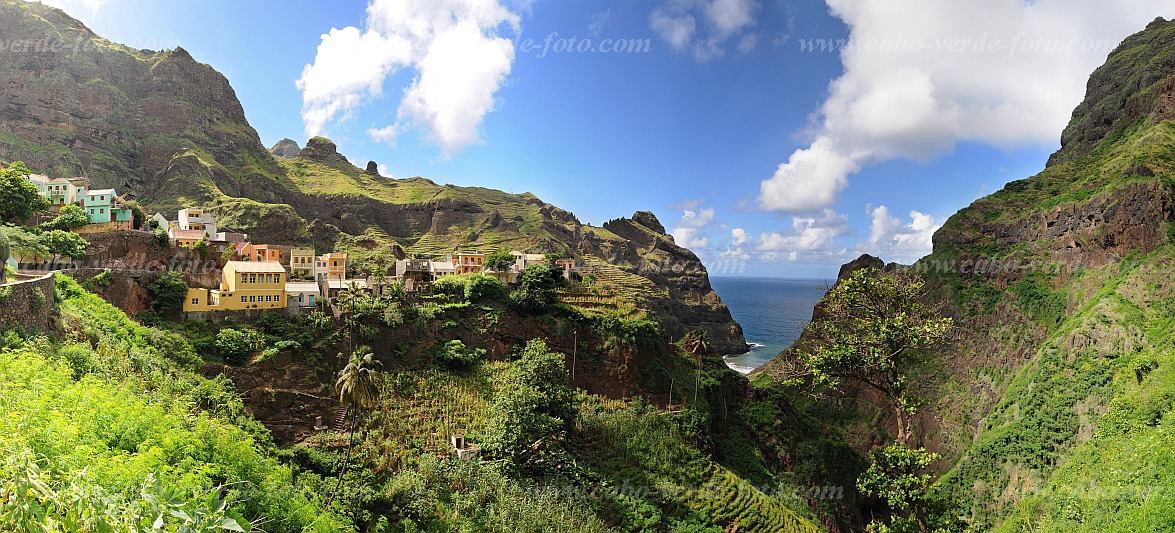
{"x": 169, "y": 131}
{"x": 1051, "y": 405}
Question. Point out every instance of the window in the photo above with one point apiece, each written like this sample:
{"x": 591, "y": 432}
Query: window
{"x": 301, "y": 298}
{"x": 243, "y": 299}
{"x": 102, "y": 211}
{"x": 252, "y": 278}
{"x": 195, "y": 301}
{"x": 252, "y": 299}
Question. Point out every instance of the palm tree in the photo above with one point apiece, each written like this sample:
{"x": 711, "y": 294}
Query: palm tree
{"x": 696, "y": 343}
{"x": 358, "y": 389}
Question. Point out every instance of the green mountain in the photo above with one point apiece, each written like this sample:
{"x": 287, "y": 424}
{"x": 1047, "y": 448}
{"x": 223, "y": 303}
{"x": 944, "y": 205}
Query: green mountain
{"x": 166, "y": 130}
{"x": 1054, "y": 404}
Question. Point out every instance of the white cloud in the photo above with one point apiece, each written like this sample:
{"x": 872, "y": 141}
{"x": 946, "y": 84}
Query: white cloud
{"x": 703, "y": 27}
{"x": 894, "y": 240}
{"x": 739, "y": 236}
{"x": 923, "y": 75}
{"x": 455, "y": 48}
{"x": 810, "y": 238}
{"x": 599, "y": 21}
{"x": 690, "y": 230}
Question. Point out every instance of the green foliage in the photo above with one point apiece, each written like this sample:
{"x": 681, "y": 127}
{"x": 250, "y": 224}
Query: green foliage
{"x": 1046, "y": 306}
{"x": 118, "y": 433}
{"x": 455, "y": 355}
{"x": 5, "y": 251}
{"x": 875, "y": 329}
{"x": 168, "y": 293}
{"x": 236, "y": 345}
{"x": 36, "y": 300}
{"x": 536, "y": 289}
{"x": 499, "y": 263}
{"x": 5, "y": 293}
{"x": 357, "y": 384}
{"x": 897, "y": 476}
{"x": 68, "y": 217}
{"x": 201, "y": 247}
{"x": 471, "y": 288}
{"x": 19, "y": 198}
{"x": 64, "y": 244}
{"x": 532, "y": 412}
{"x": 1171, "y": 231}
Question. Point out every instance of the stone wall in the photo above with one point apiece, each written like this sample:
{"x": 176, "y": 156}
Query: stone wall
{"x": 17, "y": 309}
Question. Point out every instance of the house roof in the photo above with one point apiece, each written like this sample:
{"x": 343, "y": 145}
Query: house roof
{"x": 441, "y": 265}
{"x": 302, "y": 287}
{"x": 346, "y": 283}
{"x": 241, "y": 246}
{"x": 256, "y": 266}
{"x": 93, "y": 192}
{"x": 187, "y": 234}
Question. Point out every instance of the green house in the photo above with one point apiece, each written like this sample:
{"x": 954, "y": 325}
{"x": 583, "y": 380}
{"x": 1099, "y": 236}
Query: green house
{"x": 104, "y": 205}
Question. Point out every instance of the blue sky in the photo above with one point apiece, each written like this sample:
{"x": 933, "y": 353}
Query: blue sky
{"x": 762, "y": 155}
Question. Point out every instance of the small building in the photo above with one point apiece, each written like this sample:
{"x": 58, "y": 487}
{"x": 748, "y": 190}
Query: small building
{"x": 197, "y": 219}
{"x": 441, "y": 268}
{"x": 331, "y": 266}
{"x": 265, "y": 252}
{"x": 334, "y": 286}
{"x": 59, "y": 191}
{"x": 302, "y": 294}
{"x": 468, "y": 262}
{"x": 161, "y": 221}
{"x": 567, "y": 266}
{"x": 244, "y": 285}
{"x": 413, "y": 269}
{"x": 104, "y": 205}
{"x": 301, "y": 263}
{"x": 244, "y": 251}
{"x": 186, "y": 238}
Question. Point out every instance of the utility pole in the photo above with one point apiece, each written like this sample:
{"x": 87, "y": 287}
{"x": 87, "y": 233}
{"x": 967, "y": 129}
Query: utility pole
{"x": 574, "y": 349}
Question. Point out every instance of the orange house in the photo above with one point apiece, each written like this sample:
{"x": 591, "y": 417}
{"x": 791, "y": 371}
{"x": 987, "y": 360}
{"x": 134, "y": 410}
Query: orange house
{"x": 264, "y": 253}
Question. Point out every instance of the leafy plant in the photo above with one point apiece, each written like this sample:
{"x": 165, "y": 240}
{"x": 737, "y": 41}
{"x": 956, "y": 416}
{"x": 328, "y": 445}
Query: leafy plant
{"x": 168, "y": 293}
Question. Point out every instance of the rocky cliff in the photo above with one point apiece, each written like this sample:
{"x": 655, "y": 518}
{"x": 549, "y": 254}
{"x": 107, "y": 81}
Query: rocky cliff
{"x": 169, "y": 131}
{"x": 1060, "y": 285}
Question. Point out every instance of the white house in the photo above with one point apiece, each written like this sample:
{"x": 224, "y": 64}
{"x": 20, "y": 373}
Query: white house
{"x": 197, "y": 219}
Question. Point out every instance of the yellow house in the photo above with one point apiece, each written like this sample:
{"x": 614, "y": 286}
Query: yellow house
{"x": 332, "y": 266}
{"x": 244, "y": 285}
{"x": 186, "y": 238}
{"x": 301, "y": 263}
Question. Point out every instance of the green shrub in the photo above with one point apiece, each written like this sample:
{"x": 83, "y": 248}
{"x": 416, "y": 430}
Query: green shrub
{"x": 454, "y": 354}
{"x": 5, "y": 293}
{"x": 236, "y": 345}
{"x": 36, "y": 299}
{"x": 168, "y": 293}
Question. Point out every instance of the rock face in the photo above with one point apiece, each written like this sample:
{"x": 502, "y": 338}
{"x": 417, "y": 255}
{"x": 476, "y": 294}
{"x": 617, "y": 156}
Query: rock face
{"x": 286, "y": 149}
{"x": 1137, "y": 81}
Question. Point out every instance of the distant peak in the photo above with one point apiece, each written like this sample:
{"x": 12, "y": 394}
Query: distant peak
{"x": 286, "y": 149}
{"x": 648, "y": 220}
{"x": 323, "y": 150}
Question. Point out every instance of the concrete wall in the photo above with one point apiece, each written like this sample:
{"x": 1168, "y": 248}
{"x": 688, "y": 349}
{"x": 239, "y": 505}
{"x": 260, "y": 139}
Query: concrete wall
{"x": 17, "y": 309}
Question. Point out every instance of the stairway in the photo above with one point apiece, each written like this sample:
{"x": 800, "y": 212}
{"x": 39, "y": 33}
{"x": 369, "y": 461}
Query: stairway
{"x": 340, "y": 423}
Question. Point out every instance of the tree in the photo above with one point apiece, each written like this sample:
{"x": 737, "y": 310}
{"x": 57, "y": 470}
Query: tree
{"x": 536, "y": 288}
{"x": 358, "y": 389}
{"x": 874, "y": 330}
{"x": 533, "y": 409}
{"x": 19, "y": 198}
{"x": 68, "y": 217}
{"x": 896, "y": 477}
{"x": 168, "y": 293}
{"x": 64, "y": 244}
{"x": 697, "y": 344}
{"x": 499, "y": 263}
{"x": 23, "y": 244}
{"x": 201, "y": 247}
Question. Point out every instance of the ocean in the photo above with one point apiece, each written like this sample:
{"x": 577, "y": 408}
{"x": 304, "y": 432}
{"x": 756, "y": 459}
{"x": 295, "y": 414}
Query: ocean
{"x": 772, "y": 311}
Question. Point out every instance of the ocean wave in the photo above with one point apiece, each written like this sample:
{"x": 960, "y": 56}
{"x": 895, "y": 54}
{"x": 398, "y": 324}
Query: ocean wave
{"x": 741, "y": 369}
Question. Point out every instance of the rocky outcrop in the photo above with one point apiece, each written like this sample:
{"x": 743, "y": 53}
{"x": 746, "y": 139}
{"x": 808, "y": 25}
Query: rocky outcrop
{"x": 1137, "y": 81}
{"x": 286, "y": 149}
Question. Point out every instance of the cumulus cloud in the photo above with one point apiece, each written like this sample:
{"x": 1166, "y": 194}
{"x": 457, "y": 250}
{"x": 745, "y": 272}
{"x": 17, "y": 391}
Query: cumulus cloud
{"x": 690, "y": 230}
{"x": 923, "y": 75}
{"x": 894, "y": 240}
{"x": 454, "y": 47}
{"x": 739, "y": 236}
{"x": 809, "y": 238}
{"x": 705, "y": 27}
